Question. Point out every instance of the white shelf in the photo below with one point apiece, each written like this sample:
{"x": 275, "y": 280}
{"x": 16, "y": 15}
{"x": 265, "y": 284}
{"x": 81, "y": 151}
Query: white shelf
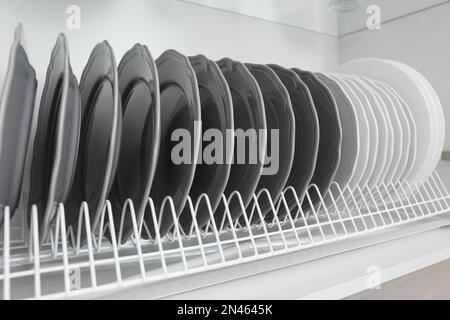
{"x": 331, "y": 271}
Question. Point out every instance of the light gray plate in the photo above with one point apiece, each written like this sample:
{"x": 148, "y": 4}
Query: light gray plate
{"x": 16, "y": 112}
{"x": 100, "y": 136}
{"x": 56, "y": 140}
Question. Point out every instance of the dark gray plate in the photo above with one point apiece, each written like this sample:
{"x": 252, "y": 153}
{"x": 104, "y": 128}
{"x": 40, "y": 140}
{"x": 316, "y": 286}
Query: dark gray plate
{"x": 306, "y": 137}
{"x": 350, "y": 139}
{"x": 56, "y": 140}
{"x": 217, "y": 114}
{"x": 16, "y": 112}
{"x": 280, "y": 117}
{"x": 100, "y": 135}
{"x": 180, "y": 109}
{"x": 330, "y": 135}
{"x": 139, "y": 87}
{"x": 248, "y": 110}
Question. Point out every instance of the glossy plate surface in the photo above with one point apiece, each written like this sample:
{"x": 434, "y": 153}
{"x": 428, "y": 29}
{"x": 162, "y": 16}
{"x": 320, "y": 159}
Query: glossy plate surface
{"x": 306, "y": 136}
{"x": 248, "y": 110}
{"x": 280, "y": 146}
{"x": 139, "y": 88}
{"x": 180, "y": 112}
{"x": 372, "y": 146}
{"x": 330, "y": 134}
{"x": 56, "y": 140}
{"x": 100, "y": 134}
{"x": 363, "y": 126}
{"x": 16, "y": 112}
{"x": 382, "y": 152}
{"x": 410, "y": 90}
{"x": 211, "y": 175}
{"x": 350, "y": 131}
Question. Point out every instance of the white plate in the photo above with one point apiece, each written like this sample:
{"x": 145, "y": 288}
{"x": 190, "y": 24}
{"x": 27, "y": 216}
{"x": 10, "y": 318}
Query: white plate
{"x": 363, "y": 131}
{"x": 377, "y": 151}
{"x": 436, "y": 110}
{"x": 395, "y": 145}
{"x": 432, "y": 110}
{"x": 408, "y": 88}
{"x": 402, "y": 137}
{"x": 385, "y": 131}
{"x": 411, "y": 126}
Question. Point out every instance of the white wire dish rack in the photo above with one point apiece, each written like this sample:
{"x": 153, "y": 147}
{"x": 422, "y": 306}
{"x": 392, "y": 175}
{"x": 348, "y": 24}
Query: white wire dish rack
{"x": 63, "y": 268}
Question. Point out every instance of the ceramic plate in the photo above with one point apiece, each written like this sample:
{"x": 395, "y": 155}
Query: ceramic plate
{"x": 410, "y": 136}
{"x": 409, "y": 89}
{"x": 180, "y": 113}
{"x": 396, "y": 149}
{"x": 16, "y": 112}
{"x": 330, "y": 134}
{"x": 436, "y": 109}
{"x": 280, "y": 123}
{"x": 139, "y": 88}
{"x": 56, "y": 140}
{"x": 306, "y": 136}
{"x": 364, "y": 134}
{"x": 350, "y": 131}
{"x": 99, "y": 138}
{"x": 373, "y": 129}
{"x": 385, "y": 133}
{"x": 211, "y": 175}
{"x": 248, "y": 109}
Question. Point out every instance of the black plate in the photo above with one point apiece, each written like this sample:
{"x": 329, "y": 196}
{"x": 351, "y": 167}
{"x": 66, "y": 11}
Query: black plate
{"x": 139, "y": 87}
{"x": 279, "y": 116}
{"x": 330, "y": 135}
{"x": 180, "y": 109}
{"x": 248, "y": 110}
{"x": 16, "y": 111}
{"x": 56, "y": 140}
{"x": 100, "y": 135}
{"x": 306, "y": 137}
{"x": 217, "y": 114}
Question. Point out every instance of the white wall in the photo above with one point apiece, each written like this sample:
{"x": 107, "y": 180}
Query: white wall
{"x": 160, "y": 24}
{"x": 421, "y": 40}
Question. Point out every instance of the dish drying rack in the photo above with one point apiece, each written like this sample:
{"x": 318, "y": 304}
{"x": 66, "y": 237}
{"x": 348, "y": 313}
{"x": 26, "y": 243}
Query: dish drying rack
{"x": 68, "y": 265}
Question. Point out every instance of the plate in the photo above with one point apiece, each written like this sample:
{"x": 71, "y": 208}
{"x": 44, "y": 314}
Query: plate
{"x": 363, "y": 131}
{"x": 385, "y": 133}
{"x": 373, "y": 130}
{"x": 411, "y": 134}
{"x": 409, "y": 89}
{"x": 330, "y": 135}
{"x": 306, "y": 137}
{"x": 248, "y": 110}
{"x": 280, "y": 122}
{"x": 396, "y": 145}
{"x": 436, "y": 110}
{"x": 56, "y": 140}
{"x": 211, "y": 174}
{"x": 350, "y": 131}
{"x": 180, "y": 126}
{"x": 99, "y": 138}
{"x": 139, "y": 88}
{"x": 16, "y": 113}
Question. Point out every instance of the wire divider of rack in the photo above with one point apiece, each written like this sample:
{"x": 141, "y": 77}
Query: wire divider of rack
{"x": 339, "y": 214}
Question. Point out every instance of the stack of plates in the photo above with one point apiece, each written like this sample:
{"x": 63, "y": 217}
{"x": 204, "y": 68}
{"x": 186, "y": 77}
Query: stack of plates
{"x": 153, "y": 132}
